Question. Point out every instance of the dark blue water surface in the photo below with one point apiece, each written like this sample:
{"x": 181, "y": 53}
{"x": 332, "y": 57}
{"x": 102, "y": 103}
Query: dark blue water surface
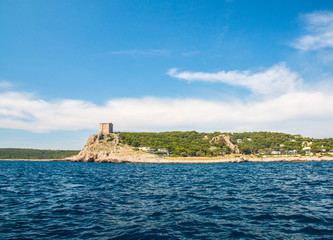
{"x": 60, "y": 200}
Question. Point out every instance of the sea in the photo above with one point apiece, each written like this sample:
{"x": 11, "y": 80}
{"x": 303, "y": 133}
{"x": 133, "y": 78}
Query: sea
{"x": 64, "y": 200}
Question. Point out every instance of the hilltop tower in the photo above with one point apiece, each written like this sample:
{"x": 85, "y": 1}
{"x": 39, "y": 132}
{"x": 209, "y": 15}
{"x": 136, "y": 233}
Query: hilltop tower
{"x": 105, "y": 128}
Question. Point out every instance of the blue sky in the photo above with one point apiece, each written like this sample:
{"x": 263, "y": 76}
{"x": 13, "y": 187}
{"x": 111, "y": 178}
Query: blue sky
{"x": 227, "y": 66}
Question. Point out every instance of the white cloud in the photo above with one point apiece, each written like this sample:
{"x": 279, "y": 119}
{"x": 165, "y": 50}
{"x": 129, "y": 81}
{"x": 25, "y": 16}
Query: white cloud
{"x": 307, "y": 113}
{"x": 275, "y": 80}
{"x": 5, "y": 84}
{"x": 319, "y": 26}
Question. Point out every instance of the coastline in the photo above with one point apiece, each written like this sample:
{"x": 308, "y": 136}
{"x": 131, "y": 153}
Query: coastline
{"x": 172, "y": 160}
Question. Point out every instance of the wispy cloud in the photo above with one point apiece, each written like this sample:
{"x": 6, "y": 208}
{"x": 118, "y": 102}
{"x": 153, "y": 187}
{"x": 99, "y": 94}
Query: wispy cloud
{"x": 275, "y": 80}
{"x": 5, "y": 84}
{"x": 302, "y": 112}
{"x": 319, "y": 27}
{"x": 151, "y": 52}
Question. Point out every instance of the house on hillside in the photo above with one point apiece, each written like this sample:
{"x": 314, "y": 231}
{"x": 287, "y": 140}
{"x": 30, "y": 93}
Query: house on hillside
{"x": 276, "y": 152}
{"x": 162, "y": 152}
{"x": 292, "y": 151}
{"x": 147, "y": 149}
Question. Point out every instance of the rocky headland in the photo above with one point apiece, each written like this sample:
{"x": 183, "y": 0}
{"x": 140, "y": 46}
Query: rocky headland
{"x": 107, "y": 148}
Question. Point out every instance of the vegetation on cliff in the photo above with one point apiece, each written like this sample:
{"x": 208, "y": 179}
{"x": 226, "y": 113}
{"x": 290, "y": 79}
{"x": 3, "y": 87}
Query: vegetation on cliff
{"x": 23, "y": 153}
{"x": 215, "y": 144}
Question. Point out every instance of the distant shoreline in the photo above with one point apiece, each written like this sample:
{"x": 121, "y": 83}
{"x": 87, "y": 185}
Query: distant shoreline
{"x": 33, "y": 160}
{"x": 167, "y": 160}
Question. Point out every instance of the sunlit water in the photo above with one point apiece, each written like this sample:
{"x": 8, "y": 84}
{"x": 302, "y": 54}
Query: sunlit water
{"x": 60, "y": 200}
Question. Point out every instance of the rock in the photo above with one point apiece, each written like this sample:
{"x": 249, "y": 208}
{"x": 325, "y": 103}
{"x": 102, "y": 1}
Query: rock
{"x": 106, "y": 148}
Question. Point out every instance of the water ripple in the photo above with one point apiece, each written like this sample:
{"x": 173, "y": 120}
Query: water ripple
{"x": 43, "y": 200}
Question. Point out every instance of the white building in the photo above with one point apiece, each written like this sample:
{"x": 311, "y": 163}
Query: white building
{"x": 147, "y": 149}
{"x": 292, "y": 151}
{"x": 276, "y": 152}
{"x": 239, "y": 140}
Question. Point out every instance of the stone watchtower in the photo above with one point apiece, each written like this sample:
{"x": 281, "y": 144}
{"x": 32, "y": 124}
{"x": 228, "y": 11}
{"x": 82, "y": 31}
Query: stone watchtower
{"x": 105, "y": 128}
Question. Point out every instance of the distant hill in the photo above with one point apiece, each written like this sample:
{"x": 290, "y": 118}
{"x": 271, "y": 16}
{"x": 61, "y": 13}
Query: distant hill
{"x": 192, "y": 143}
{"x": 24, "y": 153}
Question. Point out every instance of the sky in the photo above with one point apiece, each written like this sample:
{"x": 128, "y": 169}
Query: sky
{"x": 228, "y": 66}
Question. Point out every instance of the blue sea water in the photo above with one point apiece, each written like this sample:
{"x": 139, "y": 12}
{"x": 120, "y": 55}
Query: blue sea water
{"x": 61, "y": 200}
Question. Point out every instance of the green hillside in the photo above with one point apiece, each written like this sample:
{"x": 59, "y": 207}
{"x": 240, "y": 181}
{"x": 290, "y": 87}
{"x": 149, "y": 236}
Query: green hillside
{"x": 202, "y": 144}
{"x": 23, "y": 153}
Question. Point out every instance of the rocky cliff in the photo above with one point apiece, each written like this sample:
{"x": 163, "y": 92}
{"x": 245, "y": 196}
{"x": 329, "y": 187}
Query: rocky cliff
{"x": 106, "y": 148}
